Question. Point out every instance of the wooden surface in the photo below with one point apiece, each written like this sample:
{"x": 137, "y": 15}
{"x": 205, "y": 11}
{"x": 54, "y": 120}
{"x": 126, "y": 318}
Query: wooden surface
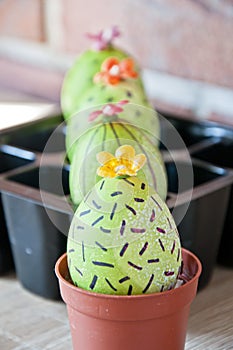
{"x": 29, "y": 322}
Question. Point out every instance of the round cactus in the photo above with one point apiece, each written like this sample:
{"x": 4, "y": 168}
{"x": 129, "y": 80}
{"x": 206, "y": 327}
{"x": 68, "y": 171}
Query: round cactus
{"x": 80, "y": 77}
{"x": 102, "y": 76}
{"x": 123, "y": 240}
{"x": 139, "y": 111}
{"x": 100, "y": 94}
{"x": 109, "y": 136}
{"x": 140, "y": 116}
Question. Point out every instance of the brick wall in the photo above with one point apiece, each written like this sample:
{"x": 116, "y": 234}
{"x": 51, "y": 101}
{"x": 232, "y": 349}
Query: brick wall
{"x": 190, "y": 39}
{"x": 22, "y": 18}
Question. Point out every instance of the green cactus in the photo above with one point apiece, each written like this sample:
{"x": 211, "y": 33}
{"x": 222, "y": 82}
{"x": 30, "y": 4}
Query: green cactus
{"x": 109, "y": 136}
{"x": 79, "y": 78}
{"x": 142, "y": 117}
{"x": 123, "y": 240}
{"x": 81, "y": 91}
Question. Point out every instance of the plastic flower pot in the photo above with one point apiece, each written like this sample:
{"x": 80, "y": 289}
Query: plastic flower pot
{"x": 151, "y": 321}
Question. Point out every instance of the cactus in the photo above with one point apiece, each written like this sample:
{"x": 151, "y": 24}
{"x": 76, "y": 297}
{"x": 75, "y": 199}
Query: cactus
{"x": 100, "y": 94}
{"x": 140, "y": 116}
{"x": 123, "y": 240}
{"x": 80, "y": 77}
{"x": 109, "y": 136}
{"x": 102, "y": 76}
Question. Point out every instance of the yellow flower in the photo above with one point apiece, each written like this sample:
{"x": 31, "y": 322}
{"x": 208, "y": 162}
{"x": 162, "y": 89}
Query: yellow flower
{"x": 125, "y": 162}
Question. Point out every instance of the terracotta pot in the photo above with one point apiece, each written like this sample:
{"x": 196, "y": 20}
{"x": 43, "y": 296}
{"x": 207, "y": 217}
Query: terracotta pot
{"x": 153, "y": 321}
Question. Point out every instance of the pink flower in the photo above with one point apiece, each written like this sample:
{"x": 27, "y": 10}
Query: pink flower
{"x": 104, "y": 38}
{"x": 108, "y": 110}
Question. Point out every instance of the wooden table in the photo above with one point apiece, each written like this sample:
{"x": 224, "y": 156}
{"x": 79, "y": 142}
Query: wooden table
{"x": 29, "y": 322}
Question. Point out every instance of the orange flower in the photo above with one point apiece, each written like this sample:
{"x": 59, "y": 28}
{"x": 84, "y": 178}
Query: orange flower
{"x": 113, "y": 71}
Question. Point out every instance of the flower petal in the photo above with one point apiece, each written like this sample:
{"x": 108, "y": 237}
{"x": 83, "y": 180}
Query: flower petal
{"x": 94, "y": 115}
{"x": 122, "y": 102}
{"x": 139, "y": 161}
{"x": 98, "y": 77}
{"x": 104, "y": 157}
{"x": 126, "y": 152}
{"x": 112, "y": 80}
{"x": 111, "y": 109}
{"x": 109, "y": 63}
{"x": 105, "y": 171}
{"x": 126, "y": 171}
{"x": 109, "y": 34}
{"x": 127, "y": 68}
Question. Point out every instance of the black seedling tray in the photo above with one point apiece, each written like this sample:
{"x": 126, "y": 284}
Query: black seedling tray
{"x": 35, "y": 197}
{"x": 6, "y": 258}
{"x": 202, "y": 225}
{"x": 34, "y": 204}
{"x": 221, "y": 154}
{"x": 214, "y": 147}
{"x": 34, "y": 137}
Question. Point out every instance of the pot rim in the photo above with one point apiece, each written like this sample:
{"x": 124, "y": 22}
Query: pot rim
{"x": 133, "y": 296}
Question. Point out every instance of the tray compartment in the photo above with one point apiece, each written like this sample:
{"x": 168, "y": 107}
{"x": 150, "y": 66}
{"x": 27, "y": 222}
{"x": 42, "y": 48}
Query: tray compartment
{"x": 35, "y": 137}
{"x": 36, "y": 240}
{"x": 12, "y": 158}
{"x": 221, "y": 154}
{"x": 190, "y": 132}
{"x": 46, "y": 178}
{"x": 202, "y": 226}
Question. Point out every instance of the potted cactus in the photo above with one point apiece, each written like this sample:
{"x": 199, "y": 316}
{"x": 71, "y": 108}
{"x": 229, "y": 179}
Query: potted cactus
{"x": 151, "y": 321}
{"x": 125, "y": 279}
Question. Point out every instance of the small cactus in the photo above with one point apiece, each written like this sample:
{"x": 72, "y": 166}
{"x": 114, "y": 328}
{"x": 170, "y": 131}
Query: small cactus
{"x": 80, "y": 77}
{"x": 141, "y": 117}
{"x": 123, "y": 239}
{"x": 109, "y": 136}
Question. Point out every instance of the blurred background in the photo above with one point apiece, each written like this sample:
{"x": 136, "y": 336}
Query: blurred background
{"x": 184, "y": 47}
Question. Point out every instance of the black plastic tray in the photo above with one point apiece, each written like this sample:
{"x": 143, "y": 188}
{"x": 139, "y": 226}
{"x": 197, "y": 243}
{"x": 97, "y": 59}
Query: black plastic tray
{"x": 220, "y": 153}
{"x": 38, "y": 221}
{"x": 214, "y": 146}
{"x": 34, "y": 204}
